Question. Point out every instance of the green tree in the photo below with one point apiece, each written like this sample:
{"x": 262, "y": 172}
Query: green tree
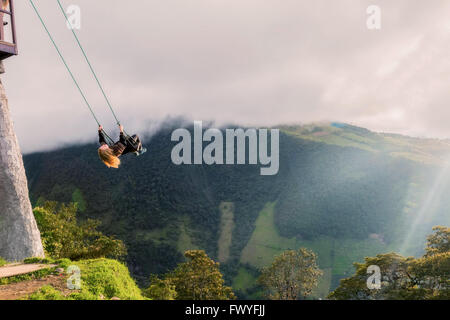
{"x": 394, "y": 279}
{"x": 439, "y": 241}
{"x": 402, "y": 278}
{"x": 432, "y": 271}
{"x": 293, "y": 274}
{"x": 199, "y": 279}
{"x": 64, "y": 237}
{"x": 160, "y": 289}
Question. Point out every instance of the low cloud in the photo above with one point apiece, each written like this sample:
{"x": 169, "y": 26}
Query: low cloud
{"x": 250, "y": 62}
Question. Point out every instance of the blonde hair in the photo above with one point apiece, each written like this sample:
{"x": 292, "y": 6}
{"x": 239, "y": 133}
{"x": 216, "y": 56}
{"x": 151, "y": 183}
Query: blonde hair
{"x": 5, "y": 4}
{"x": 108, "y": 158}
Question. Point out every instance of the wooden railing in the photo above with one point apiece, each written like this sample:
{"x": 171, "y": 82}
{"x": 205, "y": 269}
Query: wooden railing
{"x": 13, "y": 22}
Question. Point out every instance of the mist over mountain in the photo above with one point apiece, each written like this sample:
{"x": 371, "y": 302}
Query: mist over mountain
{"x": 343, "y": 191}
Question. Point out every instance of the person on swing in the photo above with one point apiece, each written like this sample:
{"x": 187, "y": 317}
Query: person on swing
{"x": 126, "y": 144}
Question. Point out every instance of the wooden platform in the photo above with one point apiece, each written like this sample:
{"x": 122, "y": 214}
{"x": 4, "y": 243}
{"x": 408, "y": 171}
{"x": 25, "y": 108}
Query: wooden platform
{"x": 5, "y": 43}
{"x": 18, "y": 269}
{"x": 7, "y": 49}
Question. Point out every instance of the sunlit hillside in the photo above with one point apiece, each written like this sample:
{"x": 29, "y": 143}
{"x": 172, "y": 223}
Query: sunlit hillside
{"x": 343, "y": 191}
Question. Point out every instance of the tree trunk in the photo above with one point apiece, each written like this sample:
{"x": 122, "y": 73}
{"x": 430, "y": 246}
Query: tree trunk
{"x": 19, "y": 235}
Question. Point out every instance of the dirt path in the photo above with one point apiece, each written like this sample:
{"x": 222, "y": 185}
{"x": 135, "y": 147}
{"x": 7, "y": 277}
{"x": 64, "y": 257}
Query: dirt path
{"x": 19, "y": 290}
{"x": 18, "y": 269}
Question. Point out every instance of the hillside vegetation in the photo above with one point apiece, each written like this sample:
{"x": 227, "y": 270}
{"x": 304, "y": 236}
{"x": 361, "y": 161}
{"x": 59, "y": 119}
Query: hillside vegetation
{"x": 344, "y": 192}
{"x": 400, "y": 278}
{"x": 101, "y": 279}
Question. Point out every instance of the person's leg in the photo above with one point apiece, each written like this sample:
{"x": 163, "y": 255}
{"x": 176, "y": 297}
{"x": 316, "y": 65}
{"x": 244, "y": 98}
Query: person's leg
{"x": 134, "y": 144}
{"x": 137, "y": 142}
{"x": 139, "y": 148}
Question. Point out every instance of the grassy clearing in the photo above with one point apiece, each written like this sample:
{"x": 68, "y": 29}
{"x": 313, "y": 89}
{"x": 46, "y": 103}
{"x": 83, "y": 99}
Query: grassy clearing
{"x": 323, "y": 288}
{"x": 3, "y": 262}
{"x": 335, "y": 256}
{"x": 348, "y": 251}
{"x": 100, "y": 279}
{"x": 178, "y": 233}
{"x": 265, "y": 242}
{"x": 157, "y": 235}
{"x": 243, "y": 279}
{"x": 246, "y": 282}
{"x": 77, "y": 197}
{"x": 226, "y": 230}
{"x": 333, "y": 136}
{"x": 427, "y": 151}
{"x": 184, "y": 240}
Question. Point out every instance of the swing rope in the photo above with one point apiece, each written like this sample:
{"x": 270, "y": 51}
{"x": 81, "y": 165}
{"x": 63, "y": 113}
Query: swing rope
{"x": 89, "y": 63}
{"x": 69, "y": 70}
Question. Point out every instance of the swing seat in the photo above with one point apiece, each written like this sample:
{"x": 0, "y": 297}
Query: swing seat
{"x": 7, "y": 50}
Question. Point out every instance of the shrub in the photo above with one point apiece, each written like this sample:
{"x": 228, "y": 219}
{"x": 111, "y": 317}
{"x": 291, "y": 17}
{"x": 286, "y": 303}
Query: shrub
{"x": 109, "y": 278}
{"x": 199, "y": 279}
{"x": 293, "y": 274}
{"x": 47, "y": 293}
{"x": 64, "y": 237}
{"x": 100, "y": 279}
{"x": 160, "y": 289}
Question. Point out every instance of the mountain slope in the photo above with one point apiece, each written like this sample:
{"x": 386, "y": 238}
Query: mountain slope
{"x": 344, "y": 191}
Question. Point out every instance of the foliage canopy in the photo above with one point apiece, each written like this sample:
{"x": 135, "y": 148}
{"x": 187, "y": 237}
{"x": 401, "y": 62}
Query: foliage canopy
{"x": 423, "y": 278}
{"x": 293, "y": 274}
{"x": 64, "y": 237}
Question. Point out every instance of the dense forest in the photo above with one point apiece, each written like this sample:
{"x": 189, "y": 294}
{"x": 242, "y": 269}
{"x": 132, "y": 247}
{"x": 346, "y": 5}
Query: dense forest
{"x": 338, "y": 188}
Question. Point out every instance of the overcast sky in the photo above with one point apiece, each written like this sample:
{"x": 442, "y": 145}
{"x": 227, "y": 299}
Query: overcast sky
{"x": 254, "y": 62}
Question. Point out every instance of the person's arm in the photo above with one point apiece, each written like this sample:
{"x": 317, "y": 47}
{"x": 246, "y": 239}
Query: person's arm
{"x": 122, "y": 136}
{"x": 101, "y": 136}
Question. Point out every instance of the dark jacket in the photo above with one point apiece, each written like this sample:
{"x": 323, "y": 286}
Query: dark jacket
{"x": 119, "y": 148}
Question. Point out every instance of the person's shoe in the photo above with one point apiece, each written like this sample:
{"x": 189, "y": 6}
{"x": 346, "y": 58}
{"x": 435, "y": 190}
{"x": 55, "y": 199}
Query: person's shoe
{"x": 140, "y": 152}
